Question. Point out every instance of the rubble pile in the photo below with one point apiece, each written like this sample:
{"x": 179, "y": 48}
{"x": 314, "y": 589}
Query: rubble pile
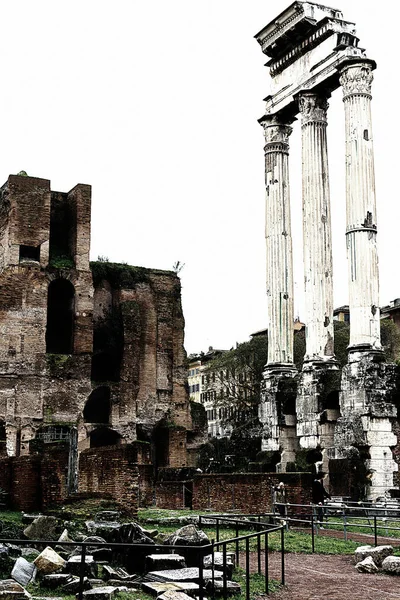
{"x": 108, "y": 570}
{"x": 370, "y": 559}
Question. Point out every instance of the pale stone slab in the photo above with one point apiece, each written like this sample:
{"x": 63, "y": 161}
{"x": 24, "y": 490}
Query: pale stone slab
{"x": 23, "y": 571}
{"x": 11, "y": 590}
{"x": 164, "y": 561}
{"x": 189, "y": 574}
{"x": 174, "y": 595}
{"x": 49, "y": 561}
{"x": 159, "y": 587}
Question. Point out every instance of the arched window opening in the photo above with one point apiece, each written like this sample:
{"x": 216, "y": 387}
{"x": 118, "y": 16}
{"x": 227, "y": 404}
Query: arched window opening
{"x": 60, "y": 317}
{"x": 97, "y": 408}
{"x": 104, "y": 437}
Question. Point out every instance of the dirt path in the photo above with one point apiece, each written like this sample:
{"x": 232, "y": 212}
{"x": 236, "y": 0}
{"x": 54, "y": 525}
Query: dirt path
{"x": 329, "y": 577}
{"x": 318, "y": 577}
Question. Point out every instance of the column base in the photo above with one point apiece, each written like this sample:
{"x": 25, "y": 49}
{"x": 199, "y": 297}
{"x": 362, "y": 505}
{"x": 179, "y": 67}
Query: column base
{"x": 365, "y": 352}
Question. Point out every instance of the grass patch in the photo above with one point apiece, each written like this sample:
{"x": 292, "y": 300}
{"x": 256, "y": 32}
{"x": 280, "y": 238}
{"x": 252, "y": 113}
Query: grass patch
{"x": 257, "y": 585}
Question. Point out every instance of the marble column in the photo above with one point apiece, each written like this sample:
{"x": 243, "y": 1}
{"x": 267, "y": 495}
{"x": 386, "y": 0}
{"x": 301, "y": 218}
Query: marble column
{"x": 317, "y": 238}
{"x": 276, "y": 410}
{"x": 356, "y": 79}
{"x": 278, "y": 243}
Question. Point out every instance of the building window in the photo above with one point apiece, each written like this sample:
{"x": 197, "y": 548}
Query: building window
{"x": 60, "y": 317}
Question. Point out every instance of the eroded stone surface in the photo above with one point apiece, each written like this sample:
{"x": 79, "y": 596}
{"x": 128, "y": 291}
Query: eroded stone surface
{"x": 367, "y": 565}
{"x": 391, "y": 564}
{"x": 49, "y": 561}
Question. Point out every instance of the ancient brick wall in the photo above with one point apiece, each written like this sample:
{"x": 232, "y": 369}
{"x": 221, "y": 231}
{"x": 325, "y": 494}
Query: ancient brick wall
{"x": 53, "y": 474}
{"x": 112, "y": 471}
{"x": 170, "y": 494}
{"x": 247, "y": 492}
{"x": 25, "y": 492}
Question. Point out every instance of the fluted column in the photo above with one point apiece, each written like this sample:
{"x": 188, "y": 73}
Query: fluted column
{"x": 356, "y": 79}
{"x": 278, "y": 243}
{"x": 317, "y": 237}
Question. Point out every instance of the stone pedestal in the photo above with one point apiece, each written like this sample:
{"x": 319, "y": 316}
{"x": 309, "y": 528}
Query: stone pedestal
{"x": 277, "y": 414}
{"x": 317, "y": 408}
{"x": 368, "y": 410}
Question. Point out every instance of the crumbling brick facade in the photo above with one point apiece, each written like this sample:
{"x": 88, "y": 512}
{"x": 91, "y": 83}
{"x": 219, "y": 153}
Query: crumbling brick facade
{"x": 90, "y": 353}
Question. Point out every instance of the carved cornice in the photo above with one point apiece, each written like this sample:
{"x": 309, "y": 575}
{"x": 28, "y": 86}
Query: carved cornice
{"x": 313, "y": 108}
{"x": 356, "y": 79}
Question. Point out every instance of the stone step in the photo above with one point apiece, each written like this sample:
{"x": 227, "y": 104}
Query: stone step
{"x": 161, "y": 562}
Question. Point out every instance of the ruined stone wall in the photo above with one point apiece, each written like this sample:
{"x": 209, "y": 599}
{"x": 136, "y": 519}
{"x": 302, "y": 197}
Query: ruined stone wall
{"x": 248, "y": 492}
{"x": 111, "y": 471}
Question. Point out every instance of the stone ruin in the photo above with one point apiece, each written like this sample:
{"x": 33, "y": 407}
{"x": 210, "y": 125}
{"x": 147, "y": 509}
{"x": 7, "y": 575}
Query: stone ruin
{"x": 91, "y": 354}
{"x": 345, "y": 423}
{"x": 159, "y": 564}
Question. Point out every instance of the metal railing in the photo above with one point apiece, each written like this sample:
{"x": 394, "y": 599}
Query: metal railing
{"x": 347, "y": 516}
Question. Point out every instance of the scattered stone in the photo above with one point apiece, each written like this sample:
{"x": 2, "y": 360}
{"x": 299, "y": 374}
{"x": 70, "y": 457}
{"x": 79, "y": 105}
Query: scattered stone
{"x": 108, "y": 515}
{"x": 219, "y": 562}
{"x": 74, "y": 565}
{"x": 391, "y": 564}
{"x": 64, "y": 537}
{"x": 49, "y": 561}
{"x": 188, "y": 574}
{"x": 117, "y": 573}
{"x": 42, "y": 528}
{"x": 154, "y": 588}
{"x": 72, "y": 585}
{"x": 130, "y": 533}
{"x": 131, "y": 585}
{"x": 378, "y": 554}
{"x": 103, "y": 528}
{"x": 159, "y": 562}
{"x": 55, "y": 580}
{"x": 367, "y": 566}
{"x": 27, "y": 518}
{"x": 11, "y": 590}
{"x": 102, "y": 593}
{"x": 217, "y": 587}
{"x": 188, "y": 535}
{"x": 23, "y": 571}
{"x": 99, "y": 583}
{"x": 174, "y": 595}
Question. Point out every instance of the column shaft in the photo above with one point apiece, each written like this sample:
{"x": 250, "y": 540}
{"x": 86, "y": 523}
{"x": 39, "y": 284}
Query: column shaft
{"x": 317, "y": 237}
{"x": 361, "y": 229}
{"x": 278, "y": 243}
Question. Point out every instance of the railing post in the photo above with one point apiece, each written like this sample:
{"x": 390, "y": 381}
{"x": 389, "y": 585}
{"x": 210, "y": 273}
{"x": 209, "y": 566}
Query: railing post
{"x": 82, "y": 570}
{"x": 375, "y": 531}
{"x": 259, "y": 553}
{"x": 283, "y": 555}
{"x": 266, "y": 564}
{"x": 312, "y": 533}
{"x": 224, "y": 577}
{"x": 247, "y": 570}
{"x": 217, "y": 529}
{"x": 201, "y": 574}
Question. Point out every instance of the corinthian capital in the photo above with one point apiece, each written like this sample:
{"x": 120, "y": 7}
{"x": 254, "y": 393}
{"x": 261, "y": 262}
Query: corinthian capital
{"x": 275, "y": 131}
{"x": 356, "y": 79}
{"x": 312, "y": 108}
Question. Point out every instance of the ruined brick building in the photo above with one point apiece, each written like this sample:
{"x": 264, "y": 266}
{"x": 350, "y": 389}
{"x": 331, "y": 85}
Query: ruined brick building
{"x": 90, "y": 353}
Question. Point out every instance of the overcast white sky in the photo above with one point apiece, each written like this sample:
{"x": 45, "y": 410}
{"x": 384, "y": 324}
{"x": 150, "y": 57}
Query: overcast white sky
{"x": 155, "y": 104}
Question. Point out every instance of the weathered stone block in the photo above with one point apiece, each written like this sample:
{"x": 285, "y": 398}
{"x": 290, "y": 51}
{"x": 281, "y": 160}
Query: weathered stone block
{"x": 49, "y": 561}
